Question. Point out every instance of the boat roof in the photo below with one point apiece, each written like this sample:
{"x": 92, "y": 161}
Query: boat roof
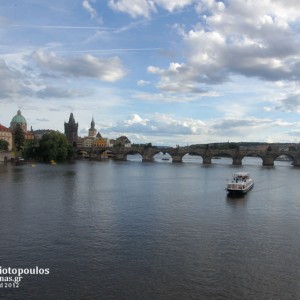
{"x": 241, "y": 174}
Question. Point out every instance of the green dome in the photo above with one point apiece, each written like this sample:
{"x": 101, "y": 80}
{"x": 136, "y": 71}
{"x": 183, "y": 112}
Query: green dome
{"x": 18, "y": 118}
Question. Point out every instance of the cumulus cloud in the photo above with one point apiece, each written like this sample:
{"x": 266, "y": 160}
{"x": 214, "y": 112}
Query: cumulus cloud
{"x": 144, "y": 8}
{"x": 249, "y": 38}
{"x": 159, "y": 124}
{"x": 135, "y": 8}
{"x": 290, "y": 103}
{"x": 12, "y": 83}
{"x": 136, "y": 119}
{"x": 143, "y": 82}
{"x": 174, "y": 4}
{"x": 163, "y": 129}
{"x": 247, "y": 127}
{"x": 104, "y": 69}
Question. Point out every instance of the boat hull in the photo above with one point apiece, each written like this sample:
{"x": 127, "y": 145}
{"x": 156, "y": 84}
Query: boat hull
{"x": 240, "y": 191}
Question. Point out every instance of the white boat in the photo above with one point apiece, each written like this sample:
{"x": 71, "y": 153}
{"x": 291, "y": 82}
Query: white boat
{"x": 240, "y": 183}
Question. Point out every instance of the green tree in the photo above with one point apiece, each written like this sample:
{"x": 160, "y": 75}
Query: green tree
{"x": 31, "y": 149}
{"x": 4, "y": 145}
{"x": 19, "y": 138}
{"x": 54, "y": 146}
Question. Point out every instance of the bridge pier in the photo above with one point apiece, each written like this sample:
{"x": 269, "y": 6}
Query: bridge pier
{"x": 120, "y": 157}
{"x": 207, "y": 160}
{"x": 176, "y": 158}
{"x": 147, "y": 155}
{"x": 147, "y": 159}
{"x": 237, "y": 161}
{"x": 297, "y": 162}
{"x": 268, "y": 161}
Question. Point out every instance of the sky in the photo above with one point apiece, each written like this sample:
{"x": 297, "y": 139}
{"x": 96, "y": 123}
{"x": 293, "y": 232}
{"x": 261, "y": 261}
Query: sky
{"x": 177, "y": 72}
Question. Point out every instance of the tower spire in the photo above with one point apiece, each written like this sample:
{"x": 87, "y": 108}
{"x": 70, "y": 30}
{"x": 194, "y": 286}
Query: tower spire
{"x": 71, "y": 119}
{"x": 93, "y": 124}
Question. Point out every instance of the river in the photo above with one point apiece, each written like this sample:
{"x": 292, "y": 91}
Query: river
{"x": 160, "y": 230}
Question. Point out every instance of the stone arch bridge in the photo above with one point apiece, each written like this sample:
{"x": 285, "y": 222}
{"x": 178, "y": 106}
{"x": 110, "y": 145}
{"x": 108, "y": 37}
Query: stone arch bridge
{"x": 268, "y": 156}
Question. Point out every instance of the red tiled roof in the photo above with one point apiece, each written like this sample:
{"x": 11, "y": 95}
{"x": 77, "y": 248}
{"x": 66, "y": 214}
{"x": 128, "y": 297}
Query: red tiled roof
{"x": 3, "y": 128}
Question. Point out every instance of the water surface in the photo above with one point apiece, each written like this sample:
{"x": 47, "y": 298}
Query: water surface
{"x": 133, "y": 230}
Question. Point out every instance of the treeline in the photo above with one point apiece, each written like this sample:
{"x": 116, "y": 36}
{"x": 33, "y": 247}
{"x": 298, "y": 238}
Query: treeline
{"x": 52, "y": 146}
{"x": 216, "y": 146}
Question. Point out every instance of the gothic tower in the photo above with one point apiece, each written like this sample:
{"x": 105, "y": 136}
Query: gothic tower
{"x": 92, "y": 130}
{"x": 71, "y": 130}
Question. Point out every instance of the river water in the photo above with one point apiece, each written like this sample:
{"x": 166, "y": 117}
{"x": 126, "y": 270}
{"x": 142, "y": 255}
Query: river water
{"x": 134, "y": 230}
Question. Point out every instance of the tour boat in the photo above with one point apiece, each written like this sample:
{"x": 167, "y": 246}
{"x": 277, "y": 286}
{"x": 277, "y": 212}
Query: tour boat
{"x": 240, "y": 183}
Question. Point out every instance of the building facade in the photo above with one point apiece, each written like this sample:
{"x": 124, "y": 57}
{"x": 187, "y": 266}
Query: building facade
{"x": 122, "y": 141}
{"x": 40, "y": 132}
{"x": 6, "y": 135}
{"x": 100, "y": 141}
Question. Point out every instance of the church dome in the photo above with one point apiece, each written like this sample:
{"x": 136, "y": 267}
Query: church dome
{"x": 18, "y": 118}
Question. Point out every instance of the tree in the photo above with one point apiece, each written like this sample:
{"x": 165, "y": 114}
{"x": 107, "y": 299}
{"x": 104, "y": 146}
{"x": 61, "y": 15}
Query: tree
{"x": 31, "y": 149}
{"x": 54, "y": 146}
{"x": 19, "y": 138}
{"x": 4, "y": 145}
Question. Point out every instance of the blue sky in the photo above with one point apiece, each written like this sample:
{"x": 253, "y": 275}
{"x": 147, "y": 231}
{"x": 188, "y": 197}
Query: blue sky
{"x": 167, "y": 72}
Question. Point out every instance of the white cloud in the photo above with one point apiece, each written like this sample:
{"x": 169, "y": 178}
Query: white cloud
{"x": 144, "y": 8}
{"x": 135, "y": 119}
{"x": 159, "y": 124}
{"x": 93, "y": 13}
{"x": 105, "y": 69}
{"x": 155, "y": 70}
{"x": 174, "y": 4}
{"x": 165, "y": 97}
{"x": 249, "y": 38}
{"x": 163, "y": 127}
{"x": 135, "y": 8}
{"x": 143, "y": 82}
{"x": 12, "y": 82}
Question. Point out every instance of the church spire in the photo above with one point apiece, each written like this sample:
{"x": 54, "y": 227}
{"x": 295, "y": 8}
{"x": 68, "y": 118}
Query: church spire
{"x": 93, "y": 124}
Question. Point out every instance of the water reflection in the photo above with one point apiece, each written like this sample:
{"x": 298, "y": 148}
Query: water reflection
{"x": 162, "y": 157}
{"x": 192, "y": 158}
{"x": 236, "y": 200}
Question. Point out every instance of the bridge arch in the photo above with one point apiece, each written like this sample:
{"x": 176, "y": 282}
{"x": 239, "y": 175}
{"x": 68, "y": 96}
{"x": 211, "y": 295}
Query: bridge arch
{"x": 193, "y": 157}
{"x": 222, "y": 157}
{"x": 134, "y": 155}
{"x": 284, "y": 158}
{"x": 161, "y": 156}
{"x": 252, "y": 158}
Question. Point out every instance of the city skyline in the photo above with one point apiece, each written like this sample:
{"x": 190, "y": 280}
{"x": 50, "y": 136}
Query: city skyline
{"x": 167, "y": 72}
